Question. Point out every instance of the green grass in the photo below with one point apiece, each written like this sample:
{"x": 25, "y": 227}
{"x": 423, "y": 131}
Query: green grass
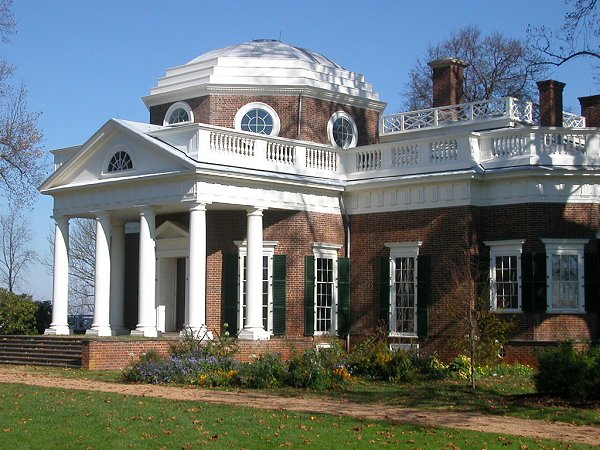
{"x": 510, "y": 394}
{"x": 48, "y": 418}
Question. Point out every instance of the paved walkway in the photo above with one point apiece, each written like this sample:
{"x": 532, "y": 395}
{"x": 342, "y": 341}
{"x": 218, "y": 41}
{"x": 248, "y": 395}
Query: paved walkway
{"x": 434, "y": 418}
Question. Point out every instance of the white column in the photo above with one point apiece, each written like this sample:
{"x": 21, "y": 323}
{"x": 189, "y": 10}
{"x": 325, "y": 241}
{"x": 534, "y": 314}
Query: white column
{"x": 196, "y": 305}
{"x": 254, "y": 279}
{"x": 60, "y": 290}
{"x": 147, "y": 277}
{"x": 101, "y": 324}
{"x": 117, "y": 278}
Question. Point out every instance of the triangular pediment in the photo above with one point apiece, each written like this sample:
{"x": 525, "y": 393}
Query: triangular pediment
{"x": 120, "y": 150}
{"x": 171, "y": 230}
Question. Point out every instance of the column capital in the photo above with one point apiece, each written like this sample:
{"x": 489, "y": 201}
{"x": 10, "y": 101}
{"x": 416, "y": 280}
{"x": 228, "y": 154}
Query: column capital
{"x": 255, "y": 211}
{"x": 200, "y": 206}
{"x": 145, "y": 209}
{"x": 60, "y": 219}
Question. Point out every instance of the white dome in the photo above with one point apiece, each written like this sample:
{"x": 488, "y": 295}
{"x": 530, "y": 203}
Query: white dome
{"x": 262, "y": 66}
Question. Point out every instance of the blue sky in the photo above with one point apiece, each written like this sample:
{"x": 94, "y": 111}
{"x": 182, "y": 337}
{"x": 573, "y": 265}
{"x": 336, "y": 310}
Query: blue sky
{"x": 85, "y": 62}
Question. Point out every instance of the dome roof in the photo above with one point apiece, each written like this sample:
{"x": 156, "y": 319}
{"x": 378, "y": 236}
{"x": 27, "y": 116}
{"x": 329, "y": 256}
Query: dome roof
{"x": 263, "y": 66}
{"x": 267, "y": 48}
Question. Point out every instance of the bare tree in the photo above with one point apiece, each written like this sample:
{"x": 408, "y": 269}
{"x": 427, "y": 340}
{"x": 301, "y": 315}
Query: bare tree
{"x": 578, "y": 37}
{"x": 82, "y": 263}
{"x": 21, "y": 159}
{"x": 15, "y": 254}
{"x": 498, "y": 67}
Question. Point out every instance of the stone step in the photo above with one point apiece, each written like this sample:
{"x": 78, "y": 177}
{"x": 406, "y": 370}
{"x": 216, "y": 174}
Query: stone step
{"x": 41, "y": 350}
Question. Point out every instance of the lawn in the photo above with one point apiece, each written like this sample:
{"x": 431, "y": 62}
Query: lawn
{"x": 48, "y": 418}
{"x": 506, "y": 392}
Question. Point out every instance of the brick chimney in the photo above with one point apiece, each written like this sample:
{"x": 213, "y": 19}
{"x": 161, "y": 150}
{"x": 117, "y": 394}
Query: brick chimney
{"x": 448, "y": 88}
{"x": 590, "y": 109}
{"x": 551, "y": 103}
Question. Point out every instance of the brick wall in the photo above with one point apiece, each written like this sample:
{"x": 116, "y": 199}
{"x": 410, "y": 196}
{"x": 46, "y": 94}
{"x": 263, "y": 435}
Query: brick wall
{"x": 453, "y": 238}
{"x": 110, "y": 354}
{"x": 590, "y": 109}
{"x": 220, "y": 110}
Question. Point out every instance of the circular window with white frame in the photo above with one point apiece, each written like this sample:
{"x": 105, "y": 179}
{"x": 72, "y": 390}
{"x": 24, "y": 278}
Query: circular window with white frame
{"x": 258, "y": 118}
{"x": 342, "y": 131}
{"x": 177, "y": 113}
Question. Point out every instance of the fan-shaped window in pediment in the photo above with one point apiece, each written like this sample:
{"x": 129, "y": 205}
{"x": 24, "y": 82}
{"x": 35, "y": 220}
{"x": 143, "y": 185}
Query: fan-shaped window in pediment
{"x": 120, "y": 161}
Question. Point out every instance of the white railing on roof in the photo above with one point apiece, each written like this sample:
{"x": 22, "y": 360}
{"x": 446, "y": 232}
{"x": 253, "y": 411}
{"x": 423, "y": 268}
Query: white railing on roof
{"x": 409, "y": 154}
{"x": 571, "y": 120}
{"x": 499, "y": 108}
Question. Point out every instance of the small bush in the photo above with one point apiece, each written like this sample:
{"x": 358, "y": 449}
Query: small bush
{"x": 568, "y": 373}
{"x": 306, "y": 370}
{"x": 20, "y": 314}
{"x": 267, "y": 371}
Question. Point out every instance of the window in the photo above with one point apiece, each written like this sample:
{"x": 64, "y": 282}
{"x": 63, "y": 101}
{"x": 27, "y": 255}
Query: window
{"x": 120, "y": 161}
{"x": 402, "y": 311}
{"x": 342, "y": 130}
{"x": 505, "y": 275}
{"x": 564, "y": 274}
{"x": 267, "y": 282}
{"x": 257, "y": 118}
{"x": 177, "y": 113}
{"x": 327, "y": 294}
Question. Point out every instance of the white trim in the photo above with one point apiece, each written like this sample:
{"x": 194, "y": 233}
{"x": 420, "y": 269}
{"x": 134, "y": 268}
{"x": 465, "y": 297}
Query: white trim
{"x": 175, "y": 106}
{"x": 402, "y": 250}
{"x": 510, "y": 247}
{"x": 237, "y": 121}
{"x": 332, "y": 119}
{"x": 327, "y": 251}
{"x": 565, "y": 247}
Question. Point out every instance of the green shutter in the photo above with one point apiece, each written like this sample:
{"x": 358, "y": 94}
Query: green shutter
{"x": 423, "y": 296}
{"x": 533, "y": 282}
{"x": 344, "y": 296}
{"x": 279, "y": 293}
{"x": 591, "y": 279}
{"x": 230, "y": 292}
{"x": 309, "y": 296}
{"x": 384, "y": 291}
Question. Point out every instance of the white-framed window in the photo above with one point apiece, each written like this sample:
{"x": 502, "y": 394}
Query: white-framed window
{"x": 403, "y": 288}
{"x": 267, "y": 283}
{"x": 326, "y": 288}
{"x": 257, "y": 117}
{"x": 565, "y": 275}
{"x": 342, "y": 131}
{"x": 118, "y": 159}
{"x": 505, "y": 275}
{"x": 178, "y": 113}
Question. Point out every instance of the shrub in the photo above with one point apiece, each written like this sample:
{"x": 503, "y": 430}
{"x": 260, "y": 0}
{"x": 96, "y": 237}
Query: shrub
{"x": 566, "y": 372}
{"x": 267, "y": 371}
{"x": 20, "y": 314}
{"x": 306, "y": 370}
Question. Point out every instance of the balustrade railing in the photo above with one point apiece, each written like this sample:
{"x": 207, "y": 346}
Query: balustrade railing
{"x": 498, "y": 108}
{"x": 571, "y": 120}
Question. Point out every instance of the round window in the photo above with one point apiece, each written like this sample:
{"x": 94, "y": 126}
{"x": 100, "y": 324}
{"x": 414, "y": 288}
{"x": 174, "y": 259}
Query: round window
{"x": 179, "y": 116}
{"x": 342, "y": 130}
{"x": 179, "y": 112}
{"x": 258, "y": 118}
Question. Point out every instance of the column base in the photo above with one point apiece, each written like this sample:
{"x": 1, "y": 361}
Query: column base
{"x": 144, "y": 332}
{"x": 200, "y": 333}
{"x": 254, "y": 334}
{"x": 99, "y": 331}
{"x": 58, "y": 330}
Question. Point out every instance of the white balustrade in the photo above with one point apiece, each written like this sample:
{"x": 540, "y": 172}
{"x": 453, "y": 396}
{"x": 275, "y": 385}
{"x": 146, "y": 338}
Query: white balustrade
{"x": 571, "y": 120}
{"x": 405, "y": 155}
{"x": 318, "y": 158}
{"x": 281, "y": 153}
{"x": 498, "y": 108}
{"x": 443, "y": 151}
{"x": 368, "y": 160}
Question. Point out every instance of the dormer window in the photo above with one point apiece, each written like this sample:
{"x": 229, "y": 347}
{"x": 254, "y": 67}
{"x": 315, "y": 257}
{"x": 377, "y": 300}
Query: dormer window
{"x": 120, "y": 161}
{"x": 257, "y": 118}
{"x": 179, "y": 112}
{"x": 342, "y": 130}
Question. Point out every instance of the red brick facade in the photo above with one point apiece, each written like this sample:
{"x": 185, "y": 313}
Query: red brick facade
{"x": 220, "y": 110}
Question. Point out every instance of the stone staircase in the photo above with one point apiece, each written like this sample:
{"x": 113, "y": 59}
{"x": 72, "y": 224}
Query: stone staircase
{"x": 41, "y": 351}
